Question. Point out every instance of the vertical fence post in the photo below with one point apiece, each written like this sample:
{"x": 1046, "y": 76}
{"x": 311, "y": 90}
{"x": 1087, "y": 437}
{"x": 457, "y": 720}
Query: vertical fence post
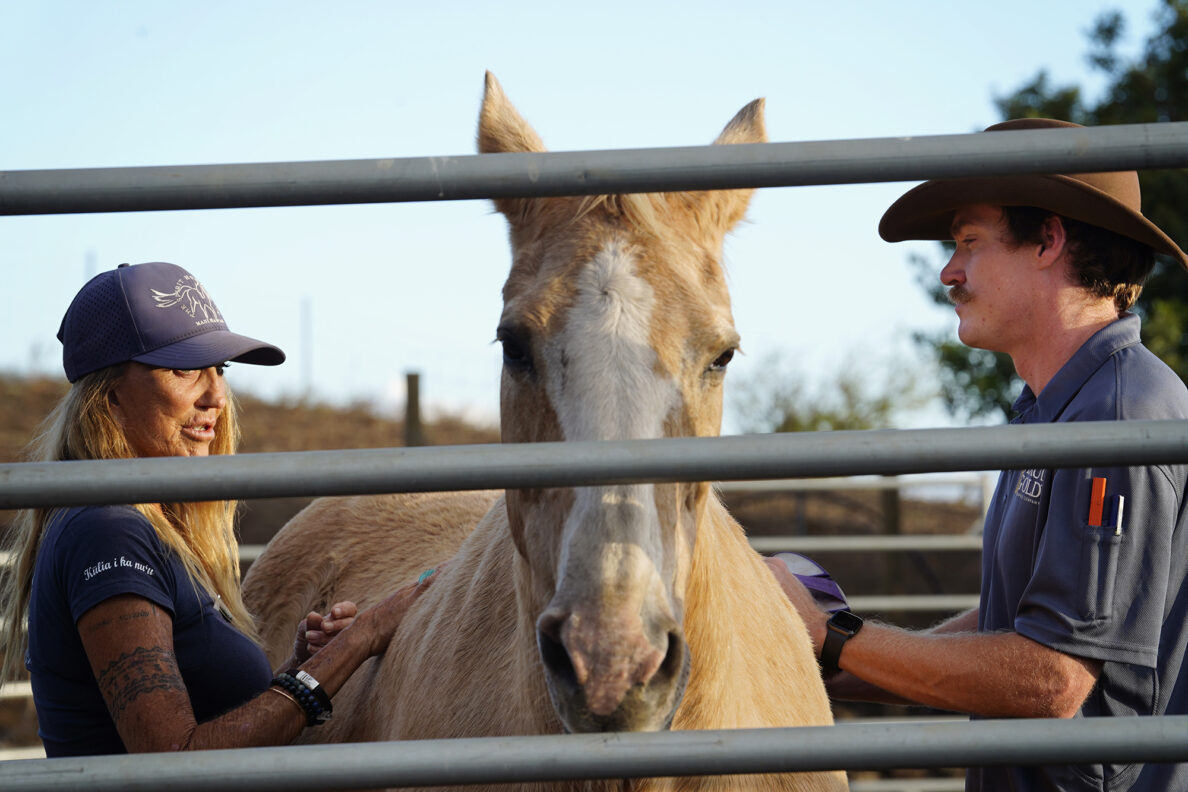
{"x": 896, "y": 568}
{"x": 413, "y": 432}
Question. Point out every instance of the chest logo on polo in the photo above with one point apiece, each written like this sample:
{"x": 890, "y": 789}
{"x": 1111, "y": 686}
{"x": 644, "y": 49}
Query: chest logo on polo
{"x": 1030, "y": 485}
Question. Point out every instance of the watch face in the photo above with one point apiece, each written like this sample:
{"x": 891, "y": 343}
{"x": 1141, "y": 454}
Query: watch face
{"x": 846, "y": 621}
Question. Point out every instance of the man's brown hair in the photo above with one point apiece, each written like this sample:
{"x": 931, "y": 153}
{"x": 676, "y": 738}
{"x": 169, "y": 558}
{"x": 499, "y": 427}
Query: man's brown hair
{"x": 1105, "y": 263}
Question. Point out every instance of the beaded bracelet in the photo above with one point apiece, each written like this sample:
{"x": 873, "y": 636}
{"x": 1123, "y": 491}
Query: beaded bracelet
{"x": 309, "y": 695}
{"x": 305, "y": 678}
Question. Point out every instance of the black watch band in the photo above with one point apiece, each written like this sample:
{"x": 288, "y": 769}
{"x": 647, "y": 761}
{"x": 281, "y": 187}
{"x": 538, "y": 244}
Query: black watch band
{"x": 841, "y": 627}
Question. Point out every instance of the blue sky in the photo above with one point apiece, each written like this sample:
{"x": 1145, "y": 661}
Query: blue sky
{"x": 360, "y": 295}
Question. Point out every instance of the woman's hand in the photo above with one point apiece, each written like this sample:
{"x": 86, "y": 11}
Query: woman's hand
{"x": 316, "y": 630}
{"x": 383, "y": 619}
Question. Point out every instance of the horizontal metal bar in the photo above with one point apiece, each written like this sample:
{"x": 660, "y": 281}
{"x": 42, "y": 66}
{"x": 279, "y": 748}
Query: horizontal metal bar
{"x": 1121, "y": 147}
{"x": 872, "y": 603}
{"x": 914, "y": 603}
{"x": 879, "y": 543}
{"x": 740, "y": 457}
{"x": 880, "y": 785}
{"x": 908, "y": 785}
{"x": 617, "y": 755}
{"x": 13, "y": 689}
{"x": 31, "y": 752}
{"x": 855, "y": 544}
{"x": 858, "y": 483}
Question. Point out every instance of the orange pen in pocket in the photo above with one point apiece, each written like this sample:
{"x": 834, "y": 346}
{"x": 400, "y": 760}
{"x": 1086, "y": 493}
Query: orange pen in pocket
{"x": 1097, "y": 502}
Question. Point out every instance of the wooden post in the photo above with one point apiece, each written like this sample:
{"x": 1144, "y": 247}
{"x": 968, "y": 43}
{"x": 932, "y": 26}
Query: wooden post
{"x": 413, "y": 433}
{"x": 896, "y": 563}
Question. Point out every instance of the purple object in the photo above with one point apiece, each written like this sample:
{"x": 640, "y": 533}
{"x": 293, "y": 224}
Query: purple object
{"x": 153, "y": 313}
{"x": 820, "y": 583}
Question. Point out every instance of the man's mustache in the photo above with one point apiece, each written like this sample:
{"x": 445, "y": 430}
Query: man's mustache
{"x": 959, "y": 295}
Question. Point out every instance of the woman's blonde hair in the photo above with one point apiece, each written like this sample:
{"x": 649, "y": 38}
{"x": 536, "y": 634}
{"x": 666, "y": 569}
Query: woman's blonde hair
{"x": 202, "y": 535}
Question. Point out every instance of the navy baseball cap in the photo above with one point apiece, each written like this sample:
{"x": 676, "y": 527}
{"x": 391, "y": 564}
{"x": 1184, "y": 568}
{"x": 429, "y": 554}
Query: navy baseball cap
{"x": 154, "y": 313}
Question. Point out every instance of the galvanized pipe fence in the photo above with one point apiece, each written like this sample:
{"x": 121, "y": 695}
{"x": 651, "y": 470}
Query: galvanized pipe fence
{"x": 600, "y": 463}
{"x": 1072, "y": 150}
{"x": 485, "y": 760}
{"x": 415, "y": 763}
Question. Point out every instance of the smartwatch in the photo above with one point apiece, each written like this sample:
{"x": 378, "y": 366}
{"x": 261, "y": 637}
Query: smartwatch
{"x": 841, "y": 627}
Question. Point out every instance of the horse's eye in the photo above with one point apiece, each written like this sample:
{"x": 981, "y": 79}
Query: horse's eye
{"x": 722, "y": 360}
{"x": 515, "y": 352}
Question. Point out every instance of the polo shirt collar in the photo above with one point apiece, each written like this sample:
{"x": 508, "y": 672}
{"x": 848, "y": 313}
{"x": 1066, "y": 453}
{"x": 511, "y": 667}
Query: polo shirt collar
{"x": 1073, "y": 375}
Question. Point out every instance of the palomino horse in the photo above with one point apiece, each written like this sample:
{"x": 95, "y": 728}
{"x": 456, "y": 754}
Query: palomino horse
{"x": 616, "y": 608}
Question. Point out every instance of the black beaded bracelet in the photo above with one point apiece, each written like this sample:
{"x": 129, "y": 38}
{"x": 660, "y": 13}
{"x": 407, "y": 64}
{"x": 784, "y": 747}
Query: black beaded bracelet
{"x": 313, "y": 699}
{"x": 319, "y": 692}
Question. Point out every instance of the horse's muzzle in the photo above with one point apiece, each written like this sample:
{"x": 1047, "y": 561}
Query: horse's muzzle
{"x": 612, "y": 680}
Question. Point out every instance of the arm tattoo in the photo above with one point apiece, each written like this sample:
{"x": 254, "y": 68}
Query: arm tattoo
{"x": 133, "y": 674}
{"x": 123, "y": 617}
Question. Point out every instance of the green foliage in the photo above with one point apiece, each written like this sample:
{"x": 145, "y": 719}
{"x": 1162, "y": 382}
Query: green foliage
{"x": 778, "y": 399}
{"x": 974, "y": 382}
{"x": 1152, "y": 87}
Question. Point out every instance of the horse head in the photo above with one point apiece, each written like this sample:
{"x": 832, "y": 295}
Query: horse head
{"x": 616, "y": 325}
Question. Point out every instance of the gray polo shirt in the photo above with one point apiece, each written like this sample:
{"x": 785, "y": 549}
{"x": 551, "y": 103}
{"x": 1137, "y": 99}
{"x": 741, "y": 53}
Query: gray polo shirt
{"x": 1108, "y": 593}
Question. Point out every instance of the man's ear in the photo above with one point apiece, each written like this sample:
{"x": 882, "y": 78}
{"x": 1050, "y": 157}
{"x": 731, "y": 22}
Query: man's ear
{"x": 1053, "y": 239}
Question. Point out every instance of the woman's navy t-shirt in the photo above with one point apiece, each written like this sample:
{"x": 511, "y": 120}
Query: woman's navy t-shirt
{"x": 91, "y": 554}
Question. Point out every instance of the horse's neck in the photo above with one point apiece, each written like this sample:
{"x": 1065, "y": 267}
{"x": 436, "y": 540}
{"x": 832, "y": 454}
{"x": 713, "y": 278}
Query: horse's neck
{"x": 753, "y": 663}
{"x": 471, "y": 644}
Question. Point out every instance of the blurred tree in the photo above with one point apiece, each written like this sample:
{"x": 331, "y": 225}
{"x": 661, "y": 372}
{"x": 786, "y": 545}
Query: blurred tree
{"x": 778, "y": 399}
{"x": 1153, "y": 87}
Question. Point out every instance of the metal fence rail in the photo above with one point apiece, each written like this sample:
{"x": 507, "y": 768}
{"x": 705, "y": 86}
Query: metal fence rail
{"x": 15, "y": 690}
{"x": 615, "y": 755}
{"x": 876, "y": 542}
{"x": 959, "y": 481}
{"x": 513, "y": 466}
{"x": 492, "y": 760}
{"x": 1128, "y": 146}
{"x": 770, "y": 544}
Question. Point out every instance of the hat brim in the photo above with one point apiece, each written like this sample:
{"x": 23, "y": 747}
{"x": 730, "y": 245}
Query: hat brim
{"x": 926, "y": 211}
{"x": 211, "y": 349}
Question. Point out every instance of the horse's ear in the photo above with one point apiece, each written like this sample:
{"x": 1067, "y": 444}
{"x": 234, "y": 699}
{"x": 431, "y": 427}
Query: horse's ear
{"x": 721, "y": 210}
{"x": 746, "y": 127}
{"x": 502, "y": 129}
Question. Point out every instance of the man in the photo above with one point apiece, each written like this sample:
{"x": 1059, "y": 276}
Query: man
{"x": 1081, "y": 610}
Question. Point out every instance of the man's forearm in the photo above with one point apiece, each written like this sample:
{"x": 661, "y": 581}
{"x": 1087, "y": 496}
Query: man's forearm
{"x": 990, "y": 674}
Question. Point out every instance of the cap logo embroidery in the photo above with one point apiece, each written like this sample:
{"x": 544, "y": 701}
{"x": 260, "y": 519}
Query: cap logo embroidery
{"x": 192, "y": 298}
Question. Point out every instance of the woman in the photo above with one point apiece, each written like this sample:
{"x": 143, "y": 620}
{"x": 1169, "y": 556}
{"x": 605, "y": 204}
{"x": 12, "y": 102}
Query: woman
{"x": 138, "y": 639}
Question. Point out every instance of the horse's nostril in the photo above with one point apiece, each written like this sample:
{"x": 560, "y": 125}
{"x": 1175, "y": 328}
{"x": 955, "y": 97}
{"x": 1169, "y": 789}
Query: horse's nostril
{"x": 555, "y": 657}
{"x": 672, "y": 666}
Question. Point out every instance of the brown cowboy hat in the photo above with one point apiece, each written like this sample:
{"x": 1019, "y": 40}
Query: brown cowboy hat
{"x": 1108, "y": 200}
